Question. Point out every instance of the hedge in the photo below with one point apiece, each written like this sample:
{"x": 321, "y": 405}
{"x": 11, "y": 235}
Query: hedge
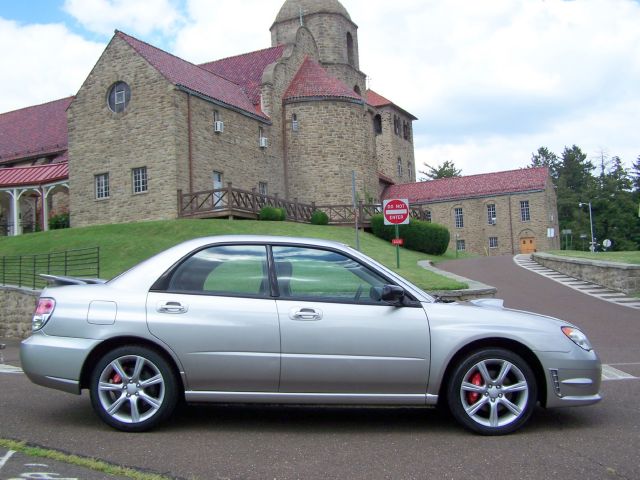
{"x": 418, "y": 235}
{"x": 318, "y": 217}
{"x": 272, "y": 214}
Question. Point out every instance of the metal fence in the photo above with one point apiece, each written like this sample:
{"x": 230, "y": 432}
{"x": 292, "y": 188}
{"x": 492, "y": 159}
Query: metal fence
{"x": 25, "y": 270}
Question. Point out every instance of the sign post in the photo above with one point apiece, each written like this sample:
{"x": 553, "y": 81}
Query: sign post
{"x": 396, "y": 212}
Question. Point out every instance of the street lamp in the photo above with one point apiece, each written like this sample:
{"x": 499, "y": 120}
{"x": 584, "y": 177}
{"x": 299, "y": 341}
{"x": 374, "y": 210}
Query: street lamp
{"x": 593, "y": 240}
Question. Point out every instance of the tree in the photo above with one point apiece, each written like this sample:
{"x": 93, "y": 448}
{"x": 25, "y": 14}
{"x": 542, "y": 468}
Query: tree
{"x": 546, "y": 158}
{"x": 445, "y": 170}
{"x": 635, "y": 173}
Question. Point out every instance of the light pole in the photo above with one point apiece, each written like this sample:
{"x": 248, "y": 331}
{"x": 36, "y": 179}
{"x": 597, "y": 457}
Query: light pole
{"x": 593, "y": 240}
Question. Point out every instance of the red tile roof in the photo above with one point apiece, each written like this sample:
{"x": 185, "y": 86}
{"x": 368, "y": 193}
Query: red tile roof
{"x": 313, "y": 81}
{"x": 36, "y": 131}
{"x": 193, "y": 77}
{"x": 376, "y": 100}
{"x": 33, "y": 176}
{"x": 246, "y": 70}
{"x": 483, "y": 185}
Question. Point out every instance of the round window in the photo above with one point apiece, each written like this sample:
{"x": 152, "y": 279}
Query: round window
{"x": 119, "y": 97}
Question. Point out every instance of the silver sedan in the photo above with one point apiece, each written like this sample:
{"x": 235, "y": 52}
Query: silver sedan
{"x": 257, "y": 319}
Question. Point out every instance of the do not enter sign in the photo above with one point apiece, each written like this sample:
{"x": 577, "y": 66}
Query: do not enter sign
{"x": 396, "y": 211}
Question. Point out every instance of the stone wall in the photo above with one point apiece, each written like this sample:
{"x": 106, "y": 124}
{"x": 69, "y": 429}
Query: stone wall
{"x": 617, "y": 276}
{"x": 391, "y": 146}
{"x": 509, "y": 228}
{"x": 101, "y": 141}
{"x": 18, "y": 306}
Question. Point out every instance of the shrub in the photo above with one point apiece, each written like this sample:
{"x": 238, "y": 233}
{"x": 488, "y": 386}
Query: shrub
{"x": 59, "y": 221}
{"x": 272, "y": 214}
{"x": 318, "y": 217}
{"x": 421, "y": 236}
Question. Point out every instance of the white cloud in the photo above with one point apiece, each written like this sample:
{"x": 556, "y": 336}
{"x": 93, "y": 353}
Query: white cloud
{"x": 41, "y": 63}
{"x": 138, "y": 17}
{"x": 224, "y": 28}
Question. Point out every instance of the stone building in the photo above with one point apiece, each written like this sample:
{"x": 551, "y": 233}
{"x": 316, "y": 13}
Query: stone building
{"x": 490, "y": 214}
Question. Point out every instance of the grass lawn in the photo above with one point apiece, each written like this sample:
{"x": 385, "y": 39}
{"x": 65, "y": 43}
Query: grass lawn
{"x": 124, "y": 245}
{"x": 619, "y": 257}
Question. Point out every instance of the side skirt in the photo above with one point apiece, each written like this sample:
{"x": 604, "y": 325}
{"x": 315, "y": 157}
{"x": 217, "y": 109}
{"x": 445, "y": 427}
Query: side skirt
{"x": 311, "y": 398}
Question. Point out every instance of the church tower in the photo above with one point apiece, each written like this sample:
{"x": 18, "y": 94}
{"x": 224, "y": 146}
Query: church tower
{"x": 335, "y": 34}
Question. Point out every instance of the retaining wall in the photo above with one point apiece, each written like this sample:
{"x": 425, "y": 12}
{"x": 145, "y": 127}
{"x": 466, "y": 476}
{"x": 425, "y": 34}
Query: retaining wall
{"x": 17, "y": 306}
{"x": 622, "y": 277}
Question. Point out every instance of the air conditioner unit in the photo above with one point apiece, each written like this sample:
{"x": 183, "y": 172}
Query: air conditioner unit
{"x": 218, "y": 126}
{"x": 492, "y": 221}
{"x": 264, "y": 142}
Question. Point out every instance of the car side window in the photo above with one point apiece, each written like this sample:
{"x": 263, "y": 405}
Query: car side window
{"x": 315, "y": 274}
{"x": 224, "y": 270}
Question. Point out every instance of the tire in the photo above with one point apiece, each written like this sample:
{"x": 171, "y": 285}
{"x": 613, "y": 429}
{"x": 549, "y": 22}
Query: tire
{"x": 133, "y": 388}
{"x": 492, "y": 392}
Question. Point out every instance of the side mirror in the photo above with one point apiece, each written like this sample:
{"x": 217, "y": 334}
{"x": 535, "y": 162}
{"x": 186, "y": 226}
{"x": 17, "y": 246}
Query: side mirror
{"x": 391, "y": 294}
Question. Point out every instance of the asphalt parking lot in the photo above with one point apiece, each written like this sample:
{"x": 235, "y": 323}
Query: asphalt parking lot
{"x": 259, "y": 442}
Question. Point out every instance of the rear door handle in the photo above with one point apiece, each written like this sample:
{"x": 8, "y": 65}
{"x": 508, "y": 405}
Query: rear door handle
{"x": 172, "y": 307}
{"x": 309, "y": 314}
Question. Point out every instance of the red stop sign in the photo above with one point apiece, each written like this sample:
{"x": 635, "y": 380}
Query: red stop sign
{"x": 396, "y": 211}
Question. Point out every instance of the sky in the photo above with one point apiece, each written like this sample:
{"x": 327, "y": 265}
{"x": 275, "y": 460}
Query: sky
{"x": 490, "y": 81}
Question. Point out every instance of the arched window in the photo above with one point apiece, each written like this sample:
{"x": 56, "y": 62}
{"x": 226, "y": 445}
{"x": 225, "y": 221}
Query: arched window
{"x": 399, "y": 167}
{"x": 410, "y": 170}
{"x": 350, "y": 56}
{"x": 357, "y": 90}
{"x": 294, "y": 123}
{"x": 377, "y": 124}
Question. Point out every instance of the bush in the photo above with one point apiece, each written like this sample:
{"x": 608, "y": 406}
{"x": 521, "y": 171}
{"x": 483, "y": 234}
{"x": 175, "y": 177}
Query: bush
{"x": 272, "y": 214}
{"x": 421, "y": 236}
{"x": 318, "y": 217}
{"x": 59, "y": 221}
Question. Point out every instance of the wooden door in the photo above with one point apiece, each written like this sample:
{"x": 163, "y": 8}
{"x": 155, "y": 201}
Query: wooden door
{"x": 527, "y": 245}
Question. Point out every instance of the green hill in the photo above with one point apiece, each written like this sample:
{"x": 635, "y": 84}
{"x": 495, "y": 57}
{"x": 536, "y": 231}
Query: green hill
{"x": 124, "y": 245}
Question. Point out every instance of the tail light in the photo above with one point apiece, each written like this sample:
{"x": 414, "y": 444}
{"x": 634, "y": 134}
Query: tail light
{"x": 43, "y": 312}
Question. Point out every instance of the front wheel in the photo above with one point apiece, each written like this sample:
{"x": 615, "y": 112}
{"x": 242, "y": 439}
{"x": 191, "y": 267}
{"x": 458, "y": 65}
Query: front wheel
{"x": 133, "y": 388}
{"x": 492, "y": 392}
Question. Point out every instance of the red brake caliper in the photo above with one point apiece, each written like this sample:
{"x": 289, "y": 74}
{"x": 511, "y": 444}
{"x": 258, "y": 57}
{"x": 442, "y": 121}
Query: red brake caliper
{"x": 116, "y": 378}
{"x": 476, "y": 379}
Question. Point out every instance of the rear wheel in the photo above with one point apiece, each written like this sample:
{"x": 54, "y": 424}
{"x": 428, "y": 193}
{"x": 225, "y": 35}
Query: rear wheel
{"x": 133, "y": 388}
{"x": 492, "y": 392}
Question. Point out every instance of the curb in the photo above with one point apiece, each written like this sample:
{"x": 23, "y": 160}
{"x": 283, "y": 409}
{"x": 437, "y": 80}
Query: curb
{"x": 475, "y": 290}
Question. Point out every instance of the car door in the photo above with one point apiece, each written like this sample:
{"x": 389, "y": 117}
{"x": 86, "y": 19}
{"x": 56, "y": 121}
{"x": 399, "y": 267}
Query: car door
{"x": 215, "y": 311}
{"x": 336, "y": 338}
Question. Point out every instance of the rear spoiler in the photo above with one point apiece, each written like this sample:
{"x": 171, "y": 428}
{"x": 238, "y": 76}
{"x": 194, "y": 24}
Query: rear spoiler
{"x": 59, "y": 280}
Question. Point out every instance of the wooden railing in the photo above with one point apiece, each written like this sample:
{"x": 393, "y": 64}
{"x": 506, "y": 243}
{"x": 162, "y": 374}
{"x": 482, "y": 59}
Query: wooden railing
{"x": 230, "y": 201}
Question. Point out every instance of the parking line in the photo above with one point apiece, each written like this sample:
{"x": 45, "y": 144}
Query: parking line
{"x": 611, "y": 373}
{"x": 4, "y": 368}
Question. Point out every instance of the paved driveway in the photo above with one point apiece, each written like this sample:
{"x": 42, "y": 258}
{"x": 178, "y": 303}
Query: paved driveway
{"x": 266, "y": 442}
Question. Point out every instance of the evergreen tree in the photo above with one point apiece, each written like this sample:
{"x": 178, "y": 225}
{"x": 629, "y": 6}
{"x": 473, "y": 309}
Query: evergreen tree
{"x": 445, "y": 170}
{"x": 546, "y": 158}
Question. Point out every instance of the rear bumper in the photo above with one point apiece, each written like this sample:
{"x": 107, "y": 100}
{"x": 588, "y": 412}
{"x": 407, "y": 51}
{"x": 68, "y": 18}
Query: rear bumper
{"x": 573, "y": 378}
{"x": 55, "y": 362}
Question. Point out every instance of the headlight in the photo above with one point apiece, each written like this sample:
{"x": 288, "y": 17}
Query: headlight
{"x": 43, "y": 313}
{"x": 577, "y": 337}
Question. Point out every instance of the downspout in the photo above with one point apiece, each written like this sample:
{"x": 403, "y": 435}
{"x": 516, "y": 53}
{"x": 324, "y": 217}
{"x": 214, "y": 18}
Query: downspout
{"x": 190, "y": 146}
{"x": 513, "y": 249}
{"x": 285, "y": 153}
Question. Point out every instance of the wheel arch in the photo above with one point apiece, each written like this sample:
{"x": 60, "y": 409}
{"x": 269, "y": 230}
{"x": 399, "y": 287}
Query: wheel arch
{"x": 496, "y": 342}
{"x": 112, "y": 343}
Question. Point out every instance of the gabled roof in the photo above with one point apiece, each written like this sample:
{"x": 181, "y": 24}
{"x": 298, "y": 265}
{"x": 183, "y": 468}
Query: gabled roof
{"x": 313, "y": 81}
{"x": 376, "y": 100}
{"x": 191, "y": 76}
{"x": 483, "y": 185}
{"x": 246, "y": 70}
{"x": 33, "y": 176}
{"x": 36, "y": 131}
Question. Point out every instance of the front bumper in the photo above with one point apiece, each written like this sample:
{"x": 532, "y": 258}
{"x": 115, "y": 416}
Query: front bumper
{"x": 55, "y": 362}
{"x": 572, "y": 378}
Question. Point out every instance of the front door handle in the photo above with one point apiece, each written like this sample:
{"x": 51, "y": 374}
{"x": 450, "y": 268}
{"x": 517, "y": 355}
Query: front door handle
{"x": 172, "y": 307}
{"x": 310, "y": 314}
